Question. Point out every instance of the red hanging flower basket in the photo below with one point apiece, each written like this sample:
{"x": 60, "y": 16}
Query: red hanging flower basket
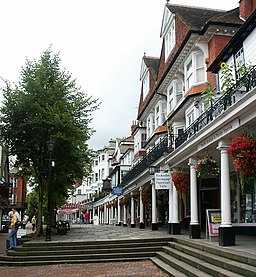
{"x": 243, "y": 151}
{"x": 181, "y": 181}
{"x": 146, "y": 194}
{"x": 207, "y": 166}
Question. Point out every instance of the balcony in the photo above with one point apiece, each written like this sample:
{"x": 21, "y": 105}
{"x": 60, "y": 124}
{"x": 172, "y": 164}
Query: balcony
{"x": 243, "y": 85}
{"x": 155, "y": 153}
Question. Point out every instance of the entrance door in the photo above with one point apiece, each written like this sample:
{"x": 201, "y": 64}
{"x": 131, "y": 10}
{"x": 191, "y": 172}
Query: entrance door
{"x": 209, "y": 198}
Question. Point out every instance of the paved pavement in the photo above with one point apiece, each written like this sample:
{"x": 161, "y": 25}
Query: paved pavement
{"x": 108, "y": 232}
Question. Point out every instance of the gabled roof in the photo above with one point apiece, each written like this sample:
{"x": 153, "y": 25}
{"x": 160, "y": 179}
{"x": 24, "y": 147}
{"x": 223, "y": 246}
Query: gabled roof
{"x": 151, "y": 63}
{"x": 194, "y": 17}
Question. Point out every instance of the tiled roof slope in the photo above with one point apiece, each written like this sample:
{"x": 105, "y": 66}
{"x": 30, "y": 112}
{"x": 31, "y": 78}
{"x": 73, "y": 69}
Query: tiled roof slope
{"x": 153, "y": 64}
{"x": 194, "y": 17}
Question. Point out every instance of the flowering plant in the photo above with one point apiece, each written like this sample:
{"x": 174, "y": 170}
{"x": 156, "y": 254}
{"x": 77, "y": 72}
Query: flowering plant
{"x": 207, "y": 166}
{"x": 115, "y": 203}
{"x": 127, "y": 200}
{"x": 146, "y": 194}
{"x": 121, "y": 202}
{"x": 136, "y": 195}
{"x": 181, "y": 181}
{"x": 243, "y": 151}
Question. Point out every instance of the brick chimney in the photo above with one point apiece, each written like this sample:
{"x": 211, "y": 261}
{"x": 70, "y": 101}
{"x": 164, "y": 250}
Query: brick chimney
{"x": 246, "y": 8}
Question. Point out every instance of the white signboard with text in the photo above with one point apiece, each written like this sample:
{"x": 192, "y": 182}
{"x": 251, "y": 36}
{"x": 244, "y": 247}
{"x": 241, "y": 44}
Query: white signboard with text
{"x": 162, "y": 180}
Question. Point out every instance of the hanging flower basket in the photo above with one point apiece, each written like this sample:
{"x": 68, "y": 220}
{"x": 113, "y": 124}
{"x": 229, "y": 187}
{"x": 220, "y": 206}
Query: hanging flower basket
{"x": 115, "y": 204}
{"x": 136, "y": 195}
{"x": 207, "y": 166}
{"x": 243, "y": 151}
{"x": 146, "y": 194}
{"x": 127, "y": 200}
{"x": 121, "y": 202}
{"x": 181, "y": 182}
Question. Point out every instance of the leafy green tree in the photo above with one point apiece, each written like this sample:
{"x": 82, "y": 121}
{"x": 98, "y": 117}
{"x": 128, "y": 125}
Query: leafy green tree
{"x": 47, "y": 103}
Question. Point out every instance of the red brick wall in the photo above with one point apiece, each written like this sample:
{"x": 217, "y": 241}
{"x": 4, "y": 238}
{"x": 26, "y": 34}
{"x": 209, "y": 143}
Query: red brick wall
{"x": 181, "y": 31}
{"x": 216, "y": 45}
{"x": 246, "y": 8}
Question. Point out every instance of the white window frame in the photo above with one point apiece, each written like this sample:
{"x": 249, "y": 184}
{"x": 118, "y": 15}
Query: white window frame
{"x": 170, "y": 38}
{"x": 157, "y": 116}
{"x": 145, "y": 84}
{"x": 190, "y": 116}
{"x": 191, "y": 73}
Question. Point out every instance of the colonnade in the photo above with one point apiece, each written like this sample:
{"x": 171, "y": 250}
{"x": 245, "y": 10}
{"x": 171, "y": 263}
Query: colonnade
{"x": 226, "y": 234}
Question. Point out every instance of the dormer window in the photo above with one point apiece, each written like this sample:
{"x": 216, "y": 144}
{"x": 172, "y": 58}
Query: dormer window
{"x": 145, "y": 84}
{"x": 170, "y": 39}
{"x": 168, "y": 32}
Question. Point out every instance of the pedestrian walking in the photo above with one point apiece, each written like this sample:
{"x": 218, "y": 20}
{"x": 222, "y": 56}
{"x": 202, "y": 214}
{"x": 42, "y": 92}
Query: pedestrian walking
{"x": 86, "y": 217}
{"x": 12, "y": 239}
{"x": 24, "y": 221}
{"x": 33, "y": 222}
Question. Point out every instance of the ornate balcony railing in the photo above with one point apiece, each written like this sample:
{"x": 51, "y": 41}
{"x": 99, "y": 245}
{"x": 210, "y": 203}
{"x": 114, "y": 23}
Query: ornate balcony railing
{"x": 153, "y": 155}
{"x": 242, "y": 86}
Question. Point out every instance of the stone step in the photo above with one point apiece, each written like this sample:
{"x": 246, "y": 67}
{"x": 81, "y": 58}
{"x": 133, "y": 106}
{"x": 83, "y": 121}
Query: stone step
{"x": 168, "y": 269}
{"x": 78, "y": 261}
{"x": 74, "y": 258}
{"x": 245, "y": 258}
{"x": 81, "y": 251}
{"x": 202, "y": 265}
{"x": 77, "y": 246}
{"x": 75, "y": 243}
{"x": 214, "y": 259}
{"x": 181, "y": 266}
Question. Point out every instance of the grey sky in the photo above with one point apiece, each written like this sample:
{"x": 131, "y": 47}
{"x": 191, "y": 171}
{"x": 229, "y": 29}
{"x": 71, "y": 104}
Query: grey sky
{"x": 100, "y": 42}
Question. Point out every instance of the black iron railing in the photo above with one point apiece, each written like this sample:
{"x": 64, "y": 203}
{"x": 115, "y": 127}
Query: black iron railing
{"x": 153, "y": 155}
{"x": 243, "y": 85}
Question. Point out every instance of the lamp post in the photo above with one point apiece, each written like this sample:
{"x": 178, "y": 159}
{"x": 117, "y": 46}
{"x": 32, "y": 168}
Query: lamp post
{"x": 152, "y": 170}
{"x": 50, "y": 144}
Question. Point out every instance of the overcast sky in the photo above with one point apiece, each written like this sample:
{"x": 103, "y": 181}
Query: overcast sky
{"x": 100, "y": 42}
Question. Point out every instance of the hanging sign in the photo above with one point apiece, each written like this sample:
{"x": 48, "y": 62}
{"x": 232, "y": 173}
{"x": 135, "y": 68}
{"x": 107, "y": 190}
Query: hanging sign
{"x": 213, "y": 222}
{"x": 117, "y": 190}
{"x": 162, "y": 180}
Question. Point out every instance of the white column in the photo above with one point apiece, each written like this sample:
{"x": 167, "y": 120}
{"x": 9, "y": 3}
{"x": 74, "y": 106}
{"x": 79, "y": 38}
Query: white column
{"x": 193, "y": 193}
{"x": 153, "y": 201}
{"x": 112, "y": 214}
{"x": 225, "y": 185}
{"x": 100, "y": 216}
{"x": 170, "y": 202}
{"x": 141, "y": 208}
{"x": 132, "y": 209}
{"x": 125, "y": 223}
{"x": 115, "y": 215}
{"x": 118, "y": 211}
{"x": 175, "y": 206}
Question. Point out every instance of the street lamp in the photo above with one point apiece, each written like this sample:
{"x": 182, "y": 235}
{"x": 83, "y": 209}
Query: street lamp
{"x": 152, "y": 170}
{"x": 50, "y": 144}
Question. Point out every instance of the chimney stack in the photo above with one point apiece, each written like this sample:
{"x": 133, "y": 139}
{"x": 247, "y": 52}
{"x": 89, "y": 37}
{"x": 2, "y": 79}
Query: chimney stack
{"x": 246, "y": 8}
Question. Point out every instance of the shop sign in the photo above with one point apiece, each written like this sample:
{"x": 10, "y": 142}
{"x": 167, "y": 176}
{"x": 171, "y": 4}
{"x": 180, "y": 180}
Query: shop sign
{"x": 213, "y": 219}
{"x": 162, "y": 180}
{"x": 117, "y": 190}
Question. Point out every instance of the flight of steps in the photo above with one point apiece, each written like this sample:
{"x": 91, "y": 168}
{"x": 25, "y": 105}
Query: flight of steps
{"x": 185, "y": 257}
{"x": 45, "y": 253}
{"x": 176, "y": 255}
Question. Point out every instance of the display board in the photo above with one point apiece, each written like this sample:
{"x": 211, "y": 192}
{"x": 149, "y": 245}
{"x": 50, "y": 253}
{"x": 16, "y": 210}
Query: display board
{"x": 213, "y": 221}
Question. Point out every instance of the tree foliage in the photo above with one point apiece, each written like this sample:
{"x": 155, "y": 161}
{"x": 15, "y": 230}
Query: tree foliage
{"x": 47, "y": 103}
